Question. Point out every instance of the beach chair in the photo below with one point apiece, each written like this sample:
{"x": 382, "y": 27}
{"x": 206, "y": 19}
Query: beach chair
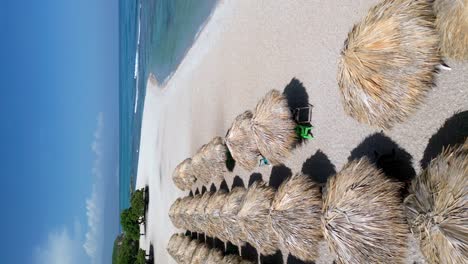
{"x": 303, "y": 118}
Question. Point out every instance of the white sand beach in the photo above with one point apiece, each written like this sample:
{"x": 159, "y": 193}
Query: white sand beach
{"x": 246, "y": 49}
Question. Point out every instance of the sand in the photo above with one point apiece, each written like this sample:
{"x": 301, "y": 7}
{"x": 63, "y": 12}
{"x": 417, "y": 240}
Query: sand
{"x": 246, "y": 49}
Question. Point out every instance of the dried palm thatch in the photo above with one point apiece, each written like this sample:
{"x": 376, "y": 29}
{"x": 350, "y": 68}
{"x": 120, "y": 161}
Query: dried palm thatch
{"x": 180, "y": 253}
{"x": 181, "y": 212}
{"x": 180, "y": 216}
{"x": 189, "y": 250}
{"x": 241, "y": 142}
{"x": 214, "y": 156}
{"x": 295, "y": 216}
{"x": 183, "y": 176}
{"x": 190, "y": 213}
{"x": 209, "y": 163}
{"x": 214, "y": 257}
{"x": 200, "y": 254}
{"x": 389, "y": 61}
{"x": 213, "y": 214}
{"x": 363, "y": 219}
{"x": 231, "y": 259}
{"x": 172, "y": 212}
{"x": 452, "y": 25}
{"x": 274, "y": 127}
{"x": 200, "y": 218}
{"x": 200, "y": 167}
{"x": 254, "y": 220}
{"x": 173, "y": 244}
{"x": 437, "y": 207}
{"x": 229, "y": 213}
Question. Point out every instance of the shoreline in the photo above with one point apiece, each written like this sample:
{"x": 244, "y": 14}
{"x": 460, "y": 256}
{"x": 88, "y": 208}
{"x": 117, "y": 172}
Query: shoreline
{"x": 201, "y": 29}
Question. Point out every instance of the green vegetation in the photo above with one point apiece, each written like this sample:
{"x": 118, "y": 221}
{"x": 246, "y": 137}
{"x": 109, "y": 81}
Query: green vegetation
{"x": 130, "y": 224}
{"x": 126, "y": 246}
{"x": 141, "y": 257}
{"x": 117, "y": 243}
{"x": 138, "y": 203}
{"x": 128, "y": 251}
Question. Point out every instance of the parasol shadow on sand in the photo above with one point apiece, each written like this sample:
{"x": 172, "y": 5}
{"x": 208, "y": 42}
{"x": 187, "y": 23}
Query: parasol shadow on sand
{"x": 454, "y": 131}
{"x": 237, "y": 182}
{"x": 395, "y": 161}
{"x": 276, "y": 258}
{"x": 293, "y": 260}
{"x": 249, "y": 252}
{"x": 217, "y": 243}
{"x": 231, "y": 249}
{"x": 224, "y": 186}
{"x": 150, "y": 254}
{"x": 213, "y": 188}
{"x": 254, "y": 177}
{"x": 296, "y": 94}
{"x": 318, "y": 167}
{"x": 297, "y": 98}
{"x": 210, "y": 241}
{"x": 278, "y": 175}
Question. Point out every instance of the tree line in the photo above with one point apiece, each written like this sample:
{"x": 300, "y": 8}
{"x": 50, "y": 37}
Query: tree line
{"x": 127, "y": 246}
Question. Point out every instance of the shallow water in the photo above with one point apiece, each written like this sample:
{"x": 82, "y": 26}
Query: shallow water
{"x": 154, "y": 36}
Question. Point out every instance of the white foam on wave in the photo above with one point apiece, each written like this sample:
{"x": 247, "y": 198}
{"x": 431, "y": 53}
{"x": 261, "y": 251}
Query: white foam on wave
{"x": 137, "y": 59}
{"x": 208, "y": 33}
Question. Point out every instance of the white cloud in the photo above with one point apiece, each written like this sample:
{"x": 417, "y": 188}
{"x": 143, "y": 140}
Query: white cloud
{"x": 95, "y": 203}
{"x": 61, "y": 248}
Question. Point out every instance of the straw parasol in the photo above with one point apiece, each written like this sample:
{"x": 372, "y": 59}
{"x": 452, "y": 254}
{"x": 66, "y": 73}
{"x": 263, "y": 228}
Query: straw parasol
{"x": 179, "y": 254}
{"x": 214, "y": 156}
{"x": 173, "y": 244}
{"x": 229, "y": 218}
{"x": 214, "y": 257}
{"x": 200, "y": 218}
{"x": 363, "y": 219}
{"x": 452, "y": 25}
{"x": 172, "y": 212}
{"x": 200, "y": 167}
{"x": 274, "y": 128}
{"x": 231, "y": 259}
{"x": 389, "y": 61}
{"x": 179, "y": 213}
{"x": 213, "y": 215}
{"x": 190, "y": 213}
{"x": 200, "y": 254}
{"x": 254, "y": 220}
{"x": 189, "y": 251}
{"x": 437, "y": 207}
{"x": 183, "y": 176}
{"x": 295, "y": 216}
{"x": 241, "y": 142}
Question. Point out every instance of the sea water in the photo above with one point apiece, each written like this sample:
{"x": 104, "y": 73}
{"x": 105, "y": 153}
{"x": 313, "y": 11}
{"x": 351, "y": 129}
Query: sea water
{"x": 154, "y": 36}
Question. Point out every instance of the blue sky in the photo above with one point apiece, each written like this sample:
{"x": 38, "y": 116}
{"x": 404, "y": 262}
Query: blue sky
{"x": 59, "y": 134}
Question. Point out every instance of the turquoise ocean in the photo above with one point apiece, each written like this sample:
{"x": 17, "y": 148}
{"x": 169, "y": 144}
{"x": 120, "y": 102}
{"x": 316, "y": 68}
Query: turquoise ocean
{"x": 154, "y": 36}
